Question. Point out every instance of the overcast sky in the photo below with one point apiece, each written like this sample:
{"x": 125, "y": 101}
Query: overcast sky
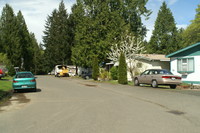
{"x": 35, "y": 12}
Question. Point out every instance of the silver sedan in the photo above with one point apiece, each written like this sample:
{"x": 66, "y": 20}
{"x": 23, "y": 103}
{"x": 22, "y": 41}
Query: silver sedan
{"x": 155, "y": 77}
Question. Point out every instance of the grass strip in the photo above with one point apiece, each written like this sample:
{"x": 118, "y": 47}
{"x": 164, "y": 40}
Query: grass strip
{"x": 5, "y": 88}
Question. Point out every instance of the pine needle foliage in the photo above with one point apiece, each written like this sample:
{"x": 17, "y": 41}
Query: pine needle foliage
{"x": 122, "y": 70}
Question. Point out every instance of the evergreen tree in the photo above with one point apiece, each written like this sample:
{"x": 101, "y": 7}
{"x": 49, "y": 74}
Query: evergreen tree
{"x": 122, "y": 70}
{"x": 95, "y": 68}
{"x": 102, "y": 24}
{"x": 38, "y": 57}
{"x": 9, "y": 36}
{"x": 192, "y": 34}
{"x": 26, "y": 46}
{"x": 164, "y": 37}
{"x": 77, "y": 22}
{"x": 114, "y": 73}
{"x": 96, "y": 32}
{"x": 56, "y": 38}
{"x": 133, "y": 10}
{"x": 16, "y": 41}
{"x": 51, "y": 51}
{"x": 63, "y": 36}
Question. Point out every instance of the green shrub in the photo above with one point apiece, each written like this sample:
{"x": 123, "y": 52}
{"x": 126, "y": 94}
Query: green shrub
{"x": 104, "y": 74}
{"x": 114, "y": 73}
{"x": 95, "y": 69}
{"x": 11, "y": 71}
{"x": 122, "y": 70}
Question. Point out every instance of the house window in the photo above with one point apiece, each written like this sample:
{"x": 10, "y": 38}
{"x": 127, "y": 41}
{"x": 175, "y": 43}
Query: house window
{"x": 185, "y": 64}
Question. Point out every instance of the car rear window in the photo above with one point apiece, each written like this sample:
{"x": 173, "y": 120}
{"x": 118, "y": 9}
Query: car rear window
{"x": 24, "y": 75}
{"x": 164, "y": 72}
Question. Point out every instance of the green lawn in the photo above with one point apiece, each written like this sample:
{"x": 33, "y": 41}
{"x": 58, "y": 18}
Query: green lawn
{"x": 6, "y": 84}
{"x": 116, "y": 82}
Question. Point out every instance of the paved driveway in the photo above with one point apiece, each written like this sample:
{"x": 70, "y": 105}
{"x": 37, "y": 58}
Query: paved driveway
{"x": 67, "y": 105}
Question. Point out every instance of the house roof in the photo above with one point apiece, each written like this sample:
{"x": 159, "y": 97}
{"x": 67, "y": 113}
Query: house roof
{"x": 183, "y": 50}
{"x": 159, "y": 57}
{"x": 149, "y": 57}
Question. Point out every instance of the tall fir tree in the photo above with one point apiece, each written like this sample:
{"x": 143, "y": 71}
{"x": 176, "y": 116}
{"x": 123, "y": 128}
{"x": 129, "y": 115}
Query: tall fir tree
{"x": 26, "y": 46}
{"x": 9, "y": 36}
{"x": 38, "y": 57}
{"x": 122, "y": 70}
{"x": 95, "y": 68}
{"x": 164, "y": 37}
{"x": 16, "y": 41}
{"x": 50, "y": 48}
{"x": 56, "y": 38}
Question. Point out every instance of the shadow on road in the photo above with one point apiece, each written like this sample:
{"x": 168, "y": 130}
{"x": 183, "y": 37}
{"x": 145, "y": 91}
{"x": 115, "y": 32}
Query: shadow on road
{"x": 28, "y": 91}
{"x": 16, "y": 101}
{"x": 159, "y": 87}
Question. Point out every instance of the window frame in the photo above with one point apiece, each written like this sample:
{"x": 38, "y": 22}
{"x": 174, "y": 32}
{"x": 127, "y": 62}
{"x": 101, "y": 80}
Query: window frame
{"x": 187, "y": 64}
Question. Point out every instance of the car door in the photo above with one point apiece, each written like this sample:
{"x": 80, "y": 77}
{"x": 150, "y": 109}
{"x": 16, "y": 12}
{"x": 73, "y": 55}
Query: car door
{"x": 152, "y": 75}
{"x": 143, "y": 77}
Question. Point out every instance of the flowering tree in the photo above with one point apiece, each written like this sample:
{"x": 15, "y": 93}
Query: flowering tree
{"x": 132, "y": 47}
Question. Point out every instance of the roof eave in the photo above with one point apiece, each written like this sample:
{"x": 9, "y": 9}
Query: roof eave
{"x": 181, "y": 50}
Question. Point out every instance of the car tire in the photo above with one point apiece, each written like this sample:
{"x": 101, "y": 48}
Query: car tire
{"x": 173, "y": 86}
{"x": 136, "y": 82}
{"x": 154, "y": 84}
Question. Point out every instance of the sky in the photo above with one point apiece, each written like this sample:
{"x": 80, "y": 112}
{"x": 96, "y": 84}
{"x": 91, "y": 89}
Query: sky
{"x": 35, "y": 12}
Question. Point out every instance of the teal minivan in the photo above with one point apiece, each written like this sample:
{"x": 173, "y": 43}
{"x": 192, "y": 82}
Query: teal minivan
{"x": 24, "y": 80}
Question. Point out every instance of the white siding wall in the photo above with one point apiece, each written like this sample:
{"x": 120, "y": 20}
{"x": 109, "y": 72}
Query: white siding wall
{"x": 195, "y": 76}
{"x": 150, "y": 65}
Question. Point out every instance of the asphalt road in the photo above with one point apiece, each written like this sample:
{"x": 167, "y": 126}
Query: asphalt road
{"x": 67, "y": 105}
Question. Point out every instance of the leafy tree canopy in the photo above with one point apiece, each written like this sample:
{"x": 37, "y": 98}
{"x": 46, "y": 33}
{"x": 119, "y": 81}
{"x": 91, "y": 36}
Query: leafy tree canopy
{"x": 192, "y": 34}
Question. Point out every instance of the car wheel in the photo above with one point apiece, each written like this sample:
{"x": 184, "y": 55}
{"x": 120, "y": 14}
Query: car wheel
{"x": 173, "y": 86}
{"x": 136, "y": 82}
{"x": 154, "y": 84}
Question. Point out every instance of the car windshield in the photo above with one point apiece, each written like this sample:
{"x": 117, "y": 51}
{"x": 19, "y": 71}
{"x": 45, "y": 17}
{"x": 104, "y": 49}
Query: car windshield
{"x": 24, "y": 75}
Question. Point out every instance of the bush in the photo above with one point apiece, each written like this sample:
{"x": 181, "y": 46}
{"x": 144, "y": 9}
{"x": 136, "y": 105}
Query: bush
{"x": 122, "y": 70}
{"x": 95, "y": 69}
{"x": 114, "y": 73}
{"x": 104, "y": 74}
{"x": 11, "y": 71}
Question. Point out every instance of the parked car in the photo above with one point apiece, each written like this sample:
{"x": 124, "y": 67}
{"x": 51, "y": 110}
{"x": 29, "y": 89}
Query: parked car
{"x": 51, "y": 72}
{"x": 155, "y": 77}
{"x": 86, "y": 75}
{"x": 24, "y": 80}
{"x": 2, "y": 74}
{"x": 61, "y": 71}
